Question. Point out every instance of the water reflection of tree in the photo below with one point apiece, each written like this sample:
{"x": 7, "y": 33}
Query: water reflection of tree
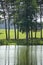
{"x": 21, "y": 56}
{"x": 5, "y": 54}
{"x": 8, "y": 54}
{"x": 7, "y": 49}
{"x": 15, "y": 55}
{"x": 18, "y": 55}
{"x": 28, "y": 55}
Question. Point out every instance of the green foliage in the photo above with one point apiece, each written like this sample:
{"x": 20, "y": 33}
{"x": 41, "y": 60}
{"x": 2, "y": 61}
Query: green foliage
{"x": 24, "y": 12}
{"x": 35, "y": 3}
{"x": 27, "y": 14}
{"x": 9, "y": 1}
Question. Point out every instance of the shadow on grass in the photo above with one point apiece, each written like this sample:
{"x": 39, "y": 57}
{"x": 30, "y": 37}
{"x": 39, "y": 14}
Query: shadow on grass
{"x": 21, "y": 42}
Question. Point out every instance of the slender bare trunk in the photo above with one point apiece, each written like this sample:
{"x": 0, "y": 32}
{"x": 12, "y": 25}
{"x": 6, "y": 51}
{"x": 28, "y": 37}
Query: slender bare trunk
{"x": 3, "y": 6}
{"x": 31, "y": 32}
{"x": 8, "y": 28}
{"x": 35, "y": 34}
{"x": 36, "y": 25}
{"x": 15, "y": 31}
{"x": 41, "y": 19}
{"x": 27, "y": 37}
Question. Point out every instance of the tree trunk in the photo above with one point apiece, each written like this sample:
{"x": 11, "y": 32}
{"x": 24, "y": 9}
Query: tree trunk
{"x": 35, "y": 34}
{"x": 8, "y": 28}
{"x": 36, "y": 25}
{"x": 41, "y": 19}
{"x": 31, "y": 32}
{"x": 5, "y": 21}
{"x": 5, "y": 13}
{"x": 15, "y": 32}
{"x": 27, "y": 37}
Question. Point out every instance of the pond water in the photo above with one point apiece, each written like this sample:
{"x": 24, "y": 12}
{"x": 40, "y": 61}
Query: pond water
{"x": 21, "y": 55}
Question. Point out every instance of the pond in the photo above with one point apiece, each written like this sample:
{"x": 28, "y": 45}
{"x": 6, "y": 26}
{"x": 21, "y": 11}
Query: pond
{"x": 21, "y": 55}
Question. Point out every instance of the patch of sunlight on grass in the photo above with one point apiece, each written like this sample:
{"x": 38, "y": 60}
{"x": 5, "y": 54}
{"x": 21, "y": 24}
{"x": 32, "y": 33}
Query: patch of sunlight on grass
{"x": 11, "y": 34}
{"x": 2, "y": 34}
{"x": 22, "y": 35}
{"x": 33, "y": 34}
{"x": 38, "y": 34}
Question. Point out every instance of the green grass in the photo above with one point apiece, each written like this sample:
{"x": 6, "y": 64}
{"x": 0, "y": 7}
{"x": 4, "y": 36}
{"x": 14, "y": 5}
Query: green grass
{"x": 3, "y": 36}
{"x": 22, "y": 38}
{"x": 22, "y": 42}
{"x": 38, "y": 34}
{"x": 21, "y": 35}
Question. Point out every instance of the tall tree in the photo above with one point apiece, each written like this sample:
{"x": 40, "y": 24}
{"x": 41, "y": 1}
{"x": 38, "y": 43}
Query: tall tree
{"x": 4, "y": 14}
{"x": 28, "y": 16}
{"x": 9, "y": 12}
{"x": 40, "y": 2}
{"x": 16, "y": 18}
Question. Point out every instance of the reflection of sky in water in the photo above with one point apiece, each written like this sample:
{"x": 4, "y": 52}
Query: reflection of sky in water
{"x": 35, "y": 54}
{"x": 38, "y": 55}
{"x": 2, "y": 55}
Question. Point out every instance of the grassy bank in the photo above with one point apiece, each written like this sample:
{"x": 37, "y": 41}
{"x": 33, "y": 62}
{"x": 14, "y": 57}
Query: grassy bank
{"x": 22, "y": 38}
{"x": 21, "y": 35}
{"x": 3, "y": 36}
{"x": 22, "y": 42}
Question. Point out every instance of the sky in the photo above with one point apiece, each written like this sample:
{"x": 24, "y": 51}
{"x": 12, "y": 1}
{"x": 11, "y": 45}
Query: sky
{"x": 38, "y": 18}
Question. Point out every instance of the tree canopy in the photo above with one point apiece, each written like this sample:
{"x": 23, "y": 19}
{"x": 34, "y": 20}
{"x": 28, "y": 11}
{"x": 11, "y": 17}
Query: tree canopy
{"x": 23, "y": 12}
